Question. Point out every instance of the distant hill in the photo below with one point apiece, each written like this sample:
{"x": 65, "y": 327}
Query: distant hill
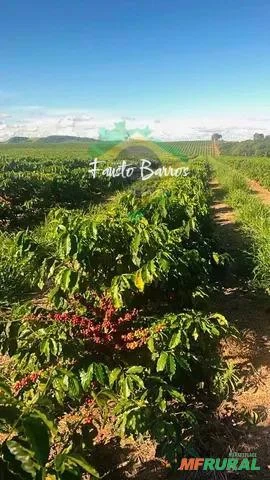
{"x": 17, "y": 140}
{"x": 50, "y": 139}
{"x": 63, "y": 139}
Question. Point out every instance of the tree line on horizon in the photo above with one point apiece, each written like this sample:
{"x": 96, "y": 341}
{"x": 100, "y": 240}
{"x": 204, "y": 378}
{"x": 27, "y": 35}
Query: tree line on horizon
{"x": 259, "y": 146}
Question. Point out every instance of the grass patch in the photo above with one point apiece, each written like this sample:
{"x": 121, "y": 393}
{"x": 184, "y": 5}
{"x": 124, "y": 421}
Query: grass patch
{"x": 253, "y": 217}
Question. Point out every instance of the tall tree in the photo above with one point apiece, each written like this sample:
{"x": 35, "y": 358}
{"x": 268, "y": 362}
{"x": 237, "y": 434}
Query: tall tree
{"x": 258, "y": 136}
{"x": 216, "y": 137}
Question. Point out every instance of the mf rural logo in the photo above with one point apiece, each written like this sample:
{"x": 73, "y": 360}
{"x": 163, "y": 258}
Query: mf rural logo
{"x": 235, "y": 462}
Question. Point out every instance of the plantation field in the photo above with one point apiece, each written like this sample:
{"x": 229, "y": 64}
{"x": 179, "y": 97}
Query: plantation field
{"x": 34, "y": 179}
{"x": 84, "y": 151}
{"x": 190, "y": 149}
{"x": 29, "y": 187}
{"x": 105, "y": 288}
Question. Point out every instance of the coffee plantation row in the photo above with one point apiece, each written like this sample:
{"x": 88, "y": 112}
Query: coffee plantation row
{"x": 102, "y": 328}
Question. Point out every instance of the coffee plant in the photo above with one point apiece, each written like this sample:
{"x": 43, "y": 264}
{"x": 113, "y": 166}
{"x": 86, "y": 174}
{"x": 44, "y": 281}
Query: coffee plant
{"x": 111, "y": 334}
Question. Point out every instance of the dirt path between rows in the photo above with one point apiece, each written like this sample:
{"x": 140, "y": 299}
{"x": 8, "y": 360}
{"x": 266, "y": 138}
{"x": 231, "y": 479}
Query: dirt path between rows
{"x": 249, "y": 311}
{"x": 262, "y": 193}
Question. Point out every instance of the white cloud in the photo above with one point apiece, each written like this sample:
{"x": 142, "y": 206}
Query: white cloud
{"x": 37, "y": 121}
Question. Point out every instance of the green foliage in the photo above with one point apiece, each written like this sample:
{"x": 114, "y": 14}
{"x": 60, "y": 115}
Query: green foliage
{"x": 148, "y": 395}
{"x": 29, "y": 436}
{"x": 253, "y": 217}
{"x": 113, "y": 335}
{"x": 167, "y": 247}
{"x": 226, "y": 380}
{"x": 259, "y": 147}
{"x": 253, "y": 168}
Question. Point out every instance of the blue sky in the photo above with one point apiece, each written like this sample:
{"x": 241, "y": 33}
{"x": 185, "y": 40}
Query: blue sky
{"x": 199, "y": 63}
